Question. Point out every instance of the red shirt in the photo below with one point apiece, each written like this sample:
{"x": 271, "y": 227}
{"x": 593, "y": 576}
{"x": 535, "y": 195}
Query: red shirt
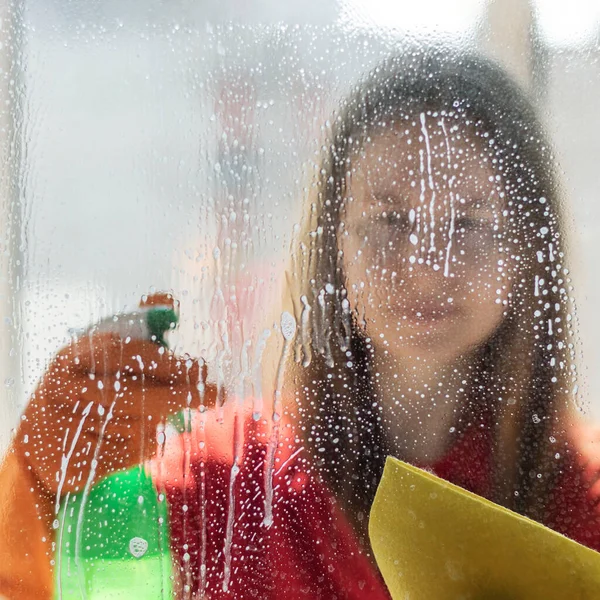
{"x": 310, "y": 551}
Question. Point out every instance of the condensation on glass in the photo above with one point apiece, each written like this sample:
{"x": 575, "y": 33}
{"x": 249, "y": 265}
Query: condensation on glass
{"x": 250, "y": 252}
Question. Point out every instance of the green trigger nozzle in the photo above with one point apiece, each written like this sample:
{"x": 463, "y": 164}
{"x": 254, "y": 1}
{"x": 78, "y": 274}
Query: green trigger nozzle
{"x": 159, "y": 321}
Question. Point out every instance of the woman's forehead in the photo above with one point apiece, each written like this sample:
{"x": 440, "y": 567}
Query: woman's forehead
{"x": 417, "y": 159}
{"x": 425, "y": 146}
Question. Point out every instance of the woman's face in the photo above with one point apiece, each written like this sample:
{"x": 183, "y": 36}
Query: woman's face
{"x": 423, "y": 242}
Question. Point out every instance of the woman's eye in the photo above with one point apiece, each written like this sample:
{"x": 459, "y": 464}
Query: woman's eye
{"x": 393, "y": 219}
{"x": 475, "y": 234}
{"x": 472, "y": 224}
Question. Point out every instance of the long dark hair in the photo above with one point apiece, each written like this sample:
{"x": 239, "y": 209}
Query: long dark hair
{"x": 521, "y": 376}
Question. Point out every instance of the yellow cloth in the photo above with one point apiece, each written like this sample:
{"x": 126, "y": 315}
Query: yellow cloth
{"x": 434, "y": 540}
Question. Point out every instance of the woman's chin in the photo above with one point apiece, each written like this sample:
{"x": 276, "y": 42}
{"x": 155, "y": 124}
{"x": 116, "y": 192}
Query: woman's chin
{"x": 435, "y": 344}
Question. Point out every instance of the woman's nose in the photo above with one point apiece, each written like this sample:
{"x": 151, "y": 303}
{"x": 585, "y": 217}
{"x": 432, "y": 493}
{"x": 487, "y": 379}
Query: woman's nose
{"x": 430, "y": 278}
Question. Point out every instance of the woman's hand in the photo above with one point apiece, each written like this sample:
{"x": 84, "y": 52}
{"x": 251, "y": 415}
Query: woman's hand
{"x": 97, "y": 408}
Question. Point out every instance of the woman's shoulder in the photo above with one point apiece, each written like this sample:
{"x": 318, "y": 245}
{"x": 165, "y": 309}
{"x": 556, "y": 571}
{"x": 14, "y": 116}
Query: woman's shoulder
{"x": 575, "y": 505}
{"x": 585, "y": 438}
{"x": 583, "y": 446}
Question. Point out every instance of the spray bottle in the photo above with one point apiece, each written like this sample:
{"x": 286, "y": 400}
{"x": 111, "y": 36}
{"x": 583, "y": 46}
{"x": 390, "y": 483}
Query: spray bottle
{"x": 114, "y": 543}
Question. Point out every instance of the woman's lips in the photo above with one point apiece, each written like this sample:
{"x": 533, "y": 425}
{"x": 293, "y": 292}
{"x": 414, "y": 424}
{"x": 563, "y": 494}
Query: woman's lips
{"x": 427, "y": 314}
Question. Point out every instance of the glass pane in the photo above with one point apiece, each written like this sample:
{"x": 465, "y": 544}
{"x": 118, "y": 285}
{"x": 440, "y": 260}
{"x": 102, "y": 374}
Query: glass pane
{"x": 250, "y": 251}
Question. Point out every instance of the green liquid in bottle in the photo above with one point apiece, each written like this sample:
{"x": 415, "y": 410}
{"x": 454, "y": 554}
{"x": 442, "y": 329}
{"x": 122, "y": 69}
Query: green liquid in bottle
{"x": 118, "y": 547}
